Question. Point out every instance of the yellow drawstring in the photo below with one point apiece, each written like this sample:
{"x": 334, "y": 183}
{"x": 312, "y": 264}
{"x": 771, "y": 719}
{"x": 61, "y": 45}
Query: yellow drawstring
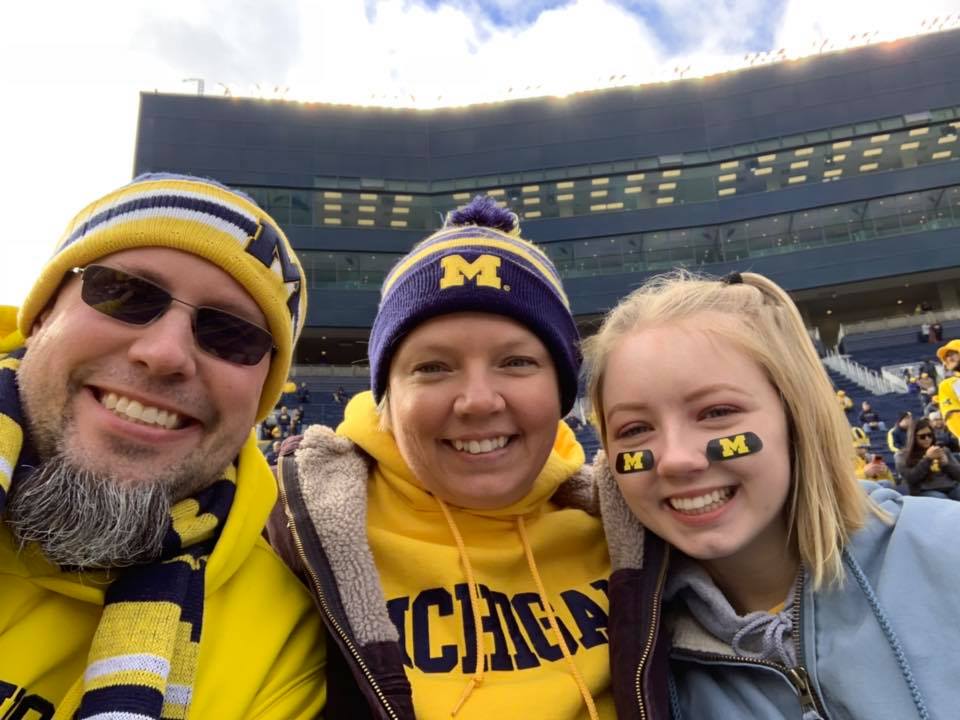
{"x": 577, "y": 677}
{"x": 475, "y": 600}
{"x": 477, "y": 678}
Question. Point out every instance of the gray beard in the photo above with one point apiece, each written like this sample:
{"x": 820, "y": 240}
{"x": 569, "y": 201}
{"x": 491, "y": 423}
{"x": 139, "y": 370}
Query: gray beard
{"x": 85, "y": 520}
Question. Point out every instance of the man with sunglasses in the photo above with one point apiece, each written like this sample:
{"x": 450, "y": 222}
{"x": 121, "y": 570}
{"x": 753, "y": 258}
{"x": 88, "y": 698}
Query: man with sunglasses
{"x": 134, "y": 581}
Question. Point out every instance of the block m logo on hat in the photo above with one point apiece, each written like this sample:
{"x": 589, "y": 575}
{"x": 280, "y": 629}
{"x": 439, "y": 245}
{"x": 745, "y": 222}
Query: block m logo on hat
{"x": 483, "y": 271}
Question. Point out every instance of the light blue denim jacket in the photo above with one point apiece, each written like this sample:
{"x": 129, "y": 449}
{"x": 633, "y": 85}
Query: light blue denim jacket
{"x": 884, "y": 645}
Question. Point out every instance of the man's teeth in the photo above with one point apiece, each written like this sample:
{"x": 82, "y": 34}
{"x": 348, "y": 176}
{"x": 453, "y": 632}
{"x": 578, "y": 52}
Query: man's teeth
{"x": 476, "y": 447}
{"x": 702, "y": 503}
{"x": 135, "y": 410}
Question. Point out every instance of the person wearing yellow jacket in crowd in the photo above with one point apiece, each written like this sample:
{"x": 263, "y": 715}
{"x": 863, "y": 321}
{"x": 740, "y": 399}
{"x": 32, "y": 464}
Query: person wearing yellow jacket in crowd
{"x": 134, "y": 581}
{"x": 949, "y": 390}
{"x": 446, "y": 527}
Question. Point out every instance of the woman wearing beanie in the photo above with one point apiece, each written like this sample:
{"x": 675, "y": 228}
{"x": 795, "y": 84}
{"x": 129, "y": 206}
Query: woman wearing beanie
{"x": 450, "y": 511}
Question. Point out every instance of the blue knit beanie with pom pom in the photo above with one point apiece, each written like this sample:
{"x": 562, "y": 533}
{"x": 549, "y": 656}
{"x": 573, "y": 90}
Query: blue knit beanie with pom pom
{"x": 477, "y": 262}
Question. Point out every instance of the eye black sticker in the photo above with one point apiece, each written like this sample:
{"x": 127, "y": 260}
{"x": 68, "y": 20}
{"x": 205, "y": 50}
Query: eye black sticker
{"x": 637, "y": 461}
{"x": 734, "y": 446}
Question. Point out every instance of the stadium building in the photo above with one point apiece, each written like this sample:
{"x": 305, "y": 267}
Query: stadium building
{"x": 836, "y": 175}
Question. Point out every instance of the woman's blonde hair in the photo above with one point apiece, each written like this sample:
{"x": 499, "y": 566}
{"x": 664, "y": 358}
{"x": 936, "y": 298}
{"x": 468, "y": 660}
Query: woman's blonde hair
{"x": 826, "y": 504}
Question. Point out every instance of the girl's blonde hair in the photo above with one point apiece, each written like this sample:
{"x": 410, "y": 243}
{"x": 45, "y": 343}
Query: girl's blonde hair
{"x": 826, "y": 503}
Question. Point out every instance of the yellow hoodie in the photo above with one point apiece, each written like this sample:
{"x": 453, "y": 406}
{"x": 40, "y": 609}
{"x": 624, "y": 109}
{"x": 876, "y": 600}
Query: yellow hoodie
{"x": 261, "y": 651}
{"x": 425, "y": 582}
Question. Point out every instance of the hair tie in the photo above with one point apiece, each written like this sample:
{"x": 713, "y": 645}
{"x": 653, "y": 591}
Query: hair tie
{"x": 733, "y": 278}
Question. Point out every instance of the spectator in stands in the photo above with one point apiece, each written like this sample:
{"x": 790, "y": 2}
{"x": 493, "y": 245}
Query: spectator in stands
{"x": 927, "y": 468}
{"x": 283, "y": 421}
{"x": 273, "y": 453}
{"x": 913, "y": 387}
{"x": 897, "y": 435}
{"x": 296, "y": 421}
{"x": 860, "y": 438}
{"x": 860, "y": 460}
{"x": 266, "y": 427}
{"x": 936, "y": 332}
{"x": 949, "y": 391}
{"x": 933, "y": 406}
{"x": 455, "y": 487}
{"x": 869, "y": 420}
{"x": 340, "y": 395}
{"x": 942, "y": 436}
{"x": 929, "y": 367}
{"x": 303, "y": 393}
{"x": 845, "y": 401}
{"x": 928, "y": 386}
{"x": 732, "y": 544}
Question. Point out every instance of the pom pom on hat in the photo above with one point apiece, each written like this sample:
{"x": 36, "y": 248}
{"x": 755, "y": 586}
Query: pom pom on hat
{"x": 477, "y": 262}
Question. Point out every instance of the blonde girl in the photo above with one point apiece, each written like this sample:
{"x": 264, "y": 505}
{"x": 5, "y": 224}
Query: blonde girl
{"x": 753, "y": 575}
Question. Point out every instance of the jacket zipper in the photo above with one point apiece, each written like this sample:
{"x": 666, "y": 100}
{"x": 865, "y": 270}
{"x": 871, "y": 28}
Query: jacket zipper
{"x": 651, "y": 635}
{"x": 796, "y": 676}
{"x": 322, "y": 598}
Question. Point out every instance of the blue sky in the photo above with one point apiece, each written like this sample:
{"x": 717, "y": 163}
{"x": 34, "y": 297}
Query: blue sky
{"x": 73, "y": 71}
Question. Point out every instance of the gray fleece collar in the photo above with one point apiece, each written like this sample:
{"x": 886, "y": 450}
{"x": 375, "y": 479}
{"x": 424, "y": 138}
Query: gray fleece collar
{"x": 333, "y": 474}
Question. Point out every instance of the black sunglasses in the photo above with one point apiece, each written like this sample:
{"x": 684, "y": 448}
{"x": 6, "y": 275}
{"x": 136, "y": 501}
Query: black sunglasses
{"x": 924, "y": 436}
{"x": 134, "y": 300}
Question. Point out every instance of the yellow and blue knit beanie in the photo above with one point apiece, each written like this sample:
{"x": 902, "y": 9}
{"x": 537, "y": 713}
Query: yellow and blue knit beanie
{"x": 201, "y": 217}
{"x": 477, "y": 262}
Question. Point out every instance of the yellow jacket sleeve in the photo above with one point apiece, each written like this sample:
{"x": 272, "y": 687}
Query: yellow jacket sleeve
{"x": 950, "y": 404}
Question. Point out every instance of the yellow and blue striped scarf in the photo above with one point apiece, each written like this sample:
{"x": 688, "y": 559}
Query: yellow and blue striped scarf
{"x": 143, "y": 657}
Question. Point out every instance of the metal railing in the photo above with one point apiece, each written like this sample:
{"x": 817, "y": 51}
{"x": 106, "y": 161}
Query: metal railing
{"x": 871, "y": 380}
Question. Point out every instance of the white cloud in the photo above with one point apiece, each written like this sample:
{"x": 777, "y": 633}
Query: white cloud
{"x": 72, "y": 72}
